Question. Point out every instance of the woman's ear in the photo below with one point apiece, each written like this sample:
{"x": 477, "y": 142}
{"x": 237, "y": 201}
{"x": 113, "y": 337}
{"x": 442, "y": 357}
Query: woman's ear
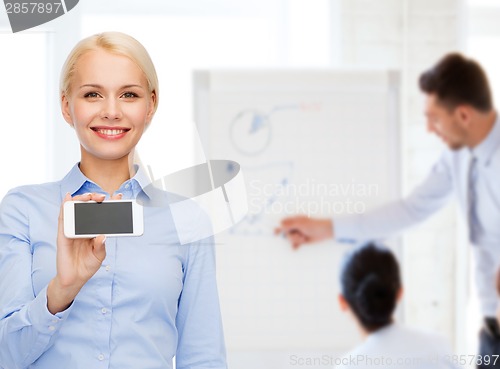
{"x": 399, "y": 296}
{"x": 65, "y": 109}
{"x": 151, "y": 110}
{"x": 344, "y": 306}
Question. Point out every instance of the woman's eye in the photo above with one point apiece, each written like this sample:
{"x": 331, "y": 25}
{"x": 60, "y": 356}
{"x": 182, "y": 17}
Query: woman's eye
{"x": 129, "y": 95}
{"x": 91, "y": 95}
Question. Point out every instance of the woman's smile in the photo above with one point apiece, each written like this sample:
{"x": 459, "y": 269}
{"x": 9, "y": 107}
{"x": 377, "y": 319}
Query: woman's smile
{"x": 110, "y": 133}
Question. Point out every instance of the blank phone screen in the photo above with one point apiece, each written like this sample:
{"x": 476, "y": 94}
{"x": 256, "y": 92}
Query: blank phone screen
{"x": 103, "y": 218}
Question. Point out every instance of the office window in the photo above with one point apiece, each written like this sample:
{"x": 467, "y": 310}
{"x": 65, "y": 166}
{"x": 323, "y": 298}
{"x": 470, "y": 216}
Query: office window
{"x": 23, "y": 96}
{"x": 482, "y": 34}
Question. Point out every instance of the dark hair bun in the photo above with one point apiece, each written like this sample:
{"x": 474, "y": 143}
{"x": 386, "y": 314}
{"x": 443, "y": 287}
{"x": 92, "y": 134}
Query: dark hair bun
{"x": 375, "y": 300}
{"x": 370, "y": 281}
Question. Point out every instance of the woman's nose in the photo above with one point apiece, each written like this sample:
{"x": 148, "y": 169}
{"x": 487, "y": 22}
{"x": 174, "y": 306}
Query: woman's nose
{"x": 111, "y": 110}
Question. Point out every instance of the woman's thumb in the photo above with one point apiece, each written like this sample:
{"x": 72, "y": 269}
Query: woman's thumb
{"x": 100, "y": 247}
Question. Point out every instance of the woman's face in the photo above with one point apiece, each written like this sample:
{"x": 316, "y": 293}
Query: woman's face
{"x": 109, "y": 105}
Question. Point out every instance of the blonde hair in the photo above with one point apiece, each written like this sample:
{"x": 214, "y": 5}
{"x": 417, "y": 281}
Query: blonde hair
{"x": 116, "y": 43}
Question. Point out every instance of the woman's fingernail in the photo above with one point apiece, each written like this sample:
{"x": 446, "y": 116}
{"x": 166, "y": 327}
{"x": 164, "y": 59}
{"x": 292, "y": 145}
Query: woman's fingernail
{"x": 104, "y": 240}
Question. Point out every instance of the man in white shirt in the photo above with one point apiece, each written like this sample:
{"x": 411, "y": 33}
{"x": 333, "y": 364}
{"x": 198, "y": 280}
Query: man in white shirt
{"x": 460, "y": 111}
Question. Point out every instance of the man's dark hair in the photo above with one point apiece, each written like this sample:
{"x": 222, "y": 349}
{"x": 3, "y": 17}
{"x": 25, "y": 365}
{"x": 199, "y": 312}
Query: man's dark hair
{"x": 456, "y": 80}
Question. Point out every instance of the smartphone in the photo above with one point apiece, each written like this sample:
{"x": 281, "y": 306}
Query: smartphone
{"x": 113, "y": 218}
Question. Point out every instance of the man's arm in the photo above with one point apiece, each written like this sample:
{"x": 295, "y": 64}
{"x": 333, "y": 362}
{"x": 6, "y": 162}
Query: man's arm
{"x": 381, "y": 222}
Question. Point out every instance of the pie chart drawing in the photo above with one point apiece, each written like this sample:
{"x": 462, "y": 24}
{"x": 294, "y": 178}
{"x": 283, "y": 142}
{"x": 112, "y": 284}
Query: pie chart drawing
{"x": 250, "y": 132}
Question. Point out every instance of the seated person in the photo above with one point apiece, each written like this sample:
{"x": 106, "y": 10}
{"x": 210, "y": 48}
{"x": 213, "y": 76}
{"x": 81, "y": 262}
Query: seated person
{"x": 370, "y": 289}
{"x": 490, "y": 334}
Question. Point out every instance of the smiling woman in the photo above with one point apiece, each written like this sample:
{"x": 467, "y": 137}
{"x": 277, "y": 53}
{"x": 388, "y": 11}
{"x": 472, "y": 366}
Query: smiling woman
{"x": 128, "y": 302}
{"x": 109, "y": 103}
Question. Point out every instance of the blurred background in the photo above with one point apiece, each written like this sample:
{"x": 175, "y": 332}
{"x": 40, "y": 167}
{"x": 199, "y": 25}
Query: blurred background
{"x": 263, "y": 329}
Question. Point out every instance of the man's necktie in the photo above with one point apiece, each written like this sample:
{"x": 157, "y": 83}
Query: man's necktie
{"x": 472, "y": 200}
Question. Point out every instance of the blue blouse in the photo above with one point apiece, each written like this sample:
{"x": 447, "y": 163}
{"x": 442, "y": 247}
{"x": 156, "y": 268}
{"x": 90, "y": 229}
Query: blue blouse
{"x": 152, "y": 298}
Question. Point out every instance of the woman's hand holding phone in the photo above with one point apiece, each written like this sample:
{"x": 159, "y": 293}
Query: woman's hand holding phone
{"x": 77, "y": 260}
